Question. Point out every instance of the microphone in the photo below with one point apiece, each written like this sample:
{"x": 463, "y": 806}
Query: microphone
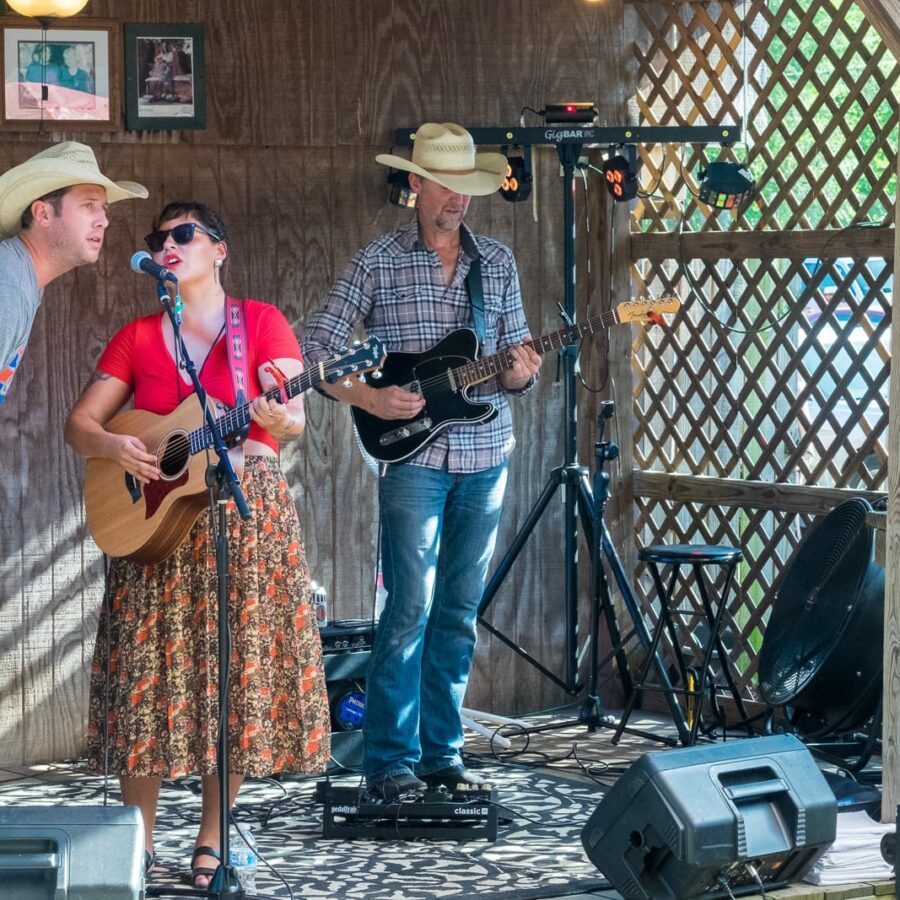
{"x": 142, "y": 262}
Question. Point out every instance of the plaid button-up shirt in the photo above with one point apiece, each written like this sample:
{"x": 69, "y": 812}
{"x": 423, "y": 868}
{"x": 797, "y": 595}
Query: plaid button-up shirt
{"x": 395, "y": 287}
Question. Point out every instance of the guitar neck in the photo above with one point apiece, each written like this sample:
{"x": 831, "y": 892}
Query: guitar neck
{"x": 488, "y": 366}
{"x": 237, "y": 419}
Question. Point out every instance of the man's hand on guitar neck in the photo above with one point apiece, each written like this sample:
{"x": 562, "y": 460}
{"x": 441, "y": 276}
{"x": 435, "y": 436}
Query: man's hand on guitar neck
{"x": 386, "y": 403}
{"x": 525, "y": 364}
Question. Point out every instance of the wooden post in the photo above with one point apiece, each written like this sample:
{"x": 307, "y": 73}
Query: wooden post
{"x": 884, "y": 16}
{"x": 890, "y": 727}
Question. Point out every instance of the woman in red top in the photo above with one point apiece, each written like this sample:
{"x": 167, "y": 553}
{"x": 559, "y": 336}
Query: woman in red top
{"x": 156, "y": 653}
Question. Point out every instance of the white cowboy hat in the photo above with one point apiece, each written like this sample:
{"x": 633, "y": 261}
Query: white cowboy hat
{"x": 446, "y": 154}
{"x": 59, "y": 166}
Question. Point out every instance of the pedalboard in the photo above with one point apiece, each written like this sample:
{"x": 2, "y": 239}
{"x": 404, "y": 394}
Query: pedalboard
{"x": 462, "y": 814}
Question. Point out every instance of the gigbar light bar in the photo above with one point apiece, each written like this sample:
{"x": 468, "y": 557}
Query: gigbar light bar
{"x": 597, "y": 136}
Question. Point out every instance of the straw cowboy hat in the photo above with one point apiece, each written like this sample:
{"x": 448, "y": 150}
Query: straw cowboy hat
{"x": 59, "y": 166}
{"x": 446, "y": 154}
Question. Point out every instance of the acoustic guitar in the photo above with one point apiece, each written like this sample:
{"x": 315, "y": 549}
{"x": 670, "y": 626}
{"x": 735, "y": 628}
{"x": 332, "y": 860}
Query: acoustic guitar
{"x": 443, "y": 374}
{"x": 146, "y": 523}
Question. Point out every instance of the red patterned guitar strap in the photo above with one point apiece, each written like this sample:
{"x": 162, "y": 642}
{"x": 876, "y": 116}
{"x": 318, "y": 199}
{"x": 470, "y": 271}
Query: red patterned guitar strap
{"x": 238, "y": 350}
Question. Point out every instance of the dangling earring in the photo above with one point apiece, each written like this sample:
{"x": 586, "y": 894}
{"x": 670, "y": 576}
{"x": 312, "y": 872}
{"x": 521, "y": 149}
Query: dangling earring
{"x": 219, "y": 263}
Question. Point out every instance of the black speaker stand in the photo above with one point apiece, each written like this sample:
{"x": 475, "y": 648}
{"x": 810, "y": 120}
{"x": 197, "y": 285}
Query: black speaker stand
{"x": 591, "y": 507}
{"x": 580, "y": 502}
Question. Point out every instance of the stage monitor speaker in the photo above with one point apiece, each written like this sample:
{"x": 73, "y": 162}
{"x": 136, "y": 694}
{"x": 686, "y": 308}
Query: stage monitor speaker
{"x": 71, "y": 853}
{"x": 700, "y": 821}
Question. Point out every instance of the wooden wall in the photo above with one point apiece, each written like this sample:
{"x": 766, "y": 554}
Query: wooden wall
{"x": 301, "y": 95}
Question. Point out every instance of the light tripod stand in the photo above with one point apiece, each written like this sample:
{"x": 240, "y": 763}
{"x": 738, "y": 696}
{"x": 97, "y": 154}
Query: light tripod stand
{"x": 579, "y": 500}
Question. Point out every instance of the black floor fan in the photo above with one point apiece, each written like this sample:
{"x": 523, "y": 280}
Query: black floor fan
{"x": 821, "y": 658}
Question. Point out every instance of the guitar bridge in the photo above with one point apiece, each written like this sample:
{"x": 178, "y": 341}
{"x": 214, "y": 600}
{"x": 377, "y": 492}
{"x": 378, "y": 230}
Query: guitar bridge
{"x": 405, "y": 431}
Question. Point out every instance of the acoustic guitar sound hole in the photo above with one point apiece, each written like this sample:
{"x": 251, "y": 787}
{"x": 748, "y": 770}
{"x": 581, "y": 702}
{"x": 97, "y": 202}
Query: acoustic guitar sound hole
{"x": 173, "y": 454}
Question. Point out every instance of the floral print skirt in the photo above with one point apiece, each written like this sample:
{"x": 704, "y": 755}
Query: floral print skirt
{"x": 159, "y": 646}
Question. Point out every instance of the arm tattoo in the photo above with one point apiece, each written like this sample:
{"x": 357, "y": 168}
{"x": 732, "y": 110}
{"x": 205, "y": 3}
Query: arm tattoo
{"x": 97, "y": 376}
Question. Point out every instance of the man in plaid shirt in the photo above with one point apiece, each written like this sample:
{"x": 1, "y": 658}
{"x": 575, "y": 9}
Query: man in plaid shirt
{"x": 440, "y": 508}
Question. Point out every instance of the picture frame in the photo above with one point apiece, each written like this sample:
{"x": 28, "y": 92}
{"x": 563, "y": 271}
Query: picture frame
{"x": 67, "y": 76}
{"x": 165, "y": 76}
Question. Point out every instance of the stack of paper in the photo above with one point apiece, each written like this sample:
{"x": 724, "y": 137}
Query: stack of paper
{"x": 855, "y": 854}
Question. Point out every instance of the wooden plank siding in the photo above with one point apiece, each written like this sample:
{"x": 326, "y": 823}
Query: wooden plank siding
{"x": 301, "y": 95}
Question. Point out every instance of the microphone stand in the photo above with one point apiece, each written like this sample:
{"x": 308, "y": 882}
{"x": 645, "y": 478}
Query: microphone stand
{"x": 222, "y": 477}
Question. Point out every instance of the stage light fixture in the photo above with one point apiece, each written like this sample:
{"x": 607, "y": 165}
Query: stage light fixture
{"x": 516, "y": 187}
{"x": 620, "y": 173}
{"x": 726, "y": 185}
{"x": 401, "y": 193}
{"x": 570, "y": 113}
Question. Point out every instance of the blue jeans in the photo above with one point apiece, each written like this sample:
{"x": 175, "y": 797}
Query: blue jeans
{"x": 438, "y": 536}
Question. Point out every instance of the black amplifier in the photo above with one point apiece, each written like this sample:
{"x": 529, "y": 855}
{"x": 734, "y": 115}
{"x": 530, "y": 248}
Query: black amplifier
{"x": 347, "y": 635}
{"x": 347, "y": 647}
{"x": 438, "y": 815}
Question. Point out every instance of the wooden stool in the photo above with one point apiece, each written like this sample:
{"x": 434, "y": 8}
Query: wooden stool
{"x": 698, "y": 557}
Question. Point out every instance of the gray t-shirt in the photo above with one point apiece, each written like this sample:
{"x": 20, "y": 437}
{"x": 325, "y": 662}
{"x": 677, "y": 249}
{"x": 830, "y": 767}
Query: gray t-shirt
{"x": 20, "y": 298}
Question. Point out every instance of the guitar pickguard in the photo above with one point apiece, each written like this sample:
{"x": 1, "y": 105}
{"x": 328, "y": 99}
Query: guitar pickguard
{"x": 430, "y": 375}
{"x": 157, "y": 491}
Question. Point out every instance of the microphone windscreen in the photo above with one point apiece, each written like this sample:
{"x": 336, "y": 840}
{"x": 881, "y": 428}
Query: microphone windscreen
{"x": 137, "y": 259}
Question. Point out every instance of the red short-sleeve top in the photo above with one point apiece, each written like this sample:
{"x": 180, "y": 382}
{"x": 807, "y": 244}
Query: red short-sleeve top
{"x": 138, "y": 355}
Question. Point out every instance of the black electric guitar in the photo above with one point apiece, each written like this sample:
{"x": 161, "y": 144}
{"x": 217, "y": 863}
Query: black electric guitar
{"x": 443, "y": 373}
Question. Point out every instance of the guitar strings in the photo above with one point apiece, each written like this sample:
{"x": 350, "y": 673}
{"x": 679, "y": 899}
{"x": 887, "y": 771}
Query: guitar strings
{"x": 543, "y": 344}
{"x": 177, "y": 449}
{"x": 232, "y": 419}
{"x": 479, "y": 367}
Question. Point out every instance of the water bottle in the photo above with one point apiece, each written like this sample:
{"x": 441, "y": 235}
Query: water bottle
{"x": 380, "y": 592}
{"x": 243, "y": 856}
{"x": 320, "y": 604}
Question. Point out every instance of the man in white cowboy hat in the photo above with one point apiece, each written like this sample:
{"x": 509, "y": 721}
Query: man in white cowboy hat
{"x": 53, "y": 218}
{"x": 440, "y": 507}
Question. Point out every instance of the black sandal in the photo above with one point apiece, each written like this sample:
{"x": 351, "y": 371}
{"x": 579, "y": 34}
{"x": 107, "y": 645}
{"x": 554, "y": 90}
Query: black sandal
{"x": 203, "y": 871}
{"x": 149, "y": 861}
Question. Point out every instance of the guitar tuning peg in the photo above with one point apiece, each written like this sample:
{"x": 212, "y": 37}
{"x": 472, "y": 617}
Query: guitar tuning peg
{"x": 362, "y": 378}
{"x": 342, "y": 350}
{"x": 376, "y": 374}
{"x": 357, "y": 343}
{"x": 347, "y": 383}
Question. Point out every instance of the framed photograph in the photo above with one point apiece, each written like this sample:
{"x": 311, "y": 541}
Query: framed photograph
{"x": 67, "y": 74}
{"x": 164, "y": 77}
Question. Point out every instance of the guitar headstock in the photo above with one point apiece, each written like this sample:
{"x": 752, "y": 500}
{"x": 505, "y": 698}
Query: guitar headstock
{"x": 647, "y": 309}
{"x": 363, "y": 357}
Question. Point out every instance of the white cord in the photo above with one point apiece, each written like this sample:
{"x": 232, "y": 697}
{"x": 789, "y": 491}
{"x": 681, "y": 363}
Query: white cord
{"x": 751, "y": 871}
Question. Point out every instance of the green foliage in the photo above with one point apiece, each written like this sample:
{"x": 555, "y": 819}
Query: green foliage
{"x": 820, "y": 100}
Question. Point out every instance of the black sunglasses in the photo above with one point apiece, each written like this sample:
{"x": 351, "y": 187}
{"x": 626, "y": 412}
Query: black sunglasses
{"x": 181, "y": 234}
